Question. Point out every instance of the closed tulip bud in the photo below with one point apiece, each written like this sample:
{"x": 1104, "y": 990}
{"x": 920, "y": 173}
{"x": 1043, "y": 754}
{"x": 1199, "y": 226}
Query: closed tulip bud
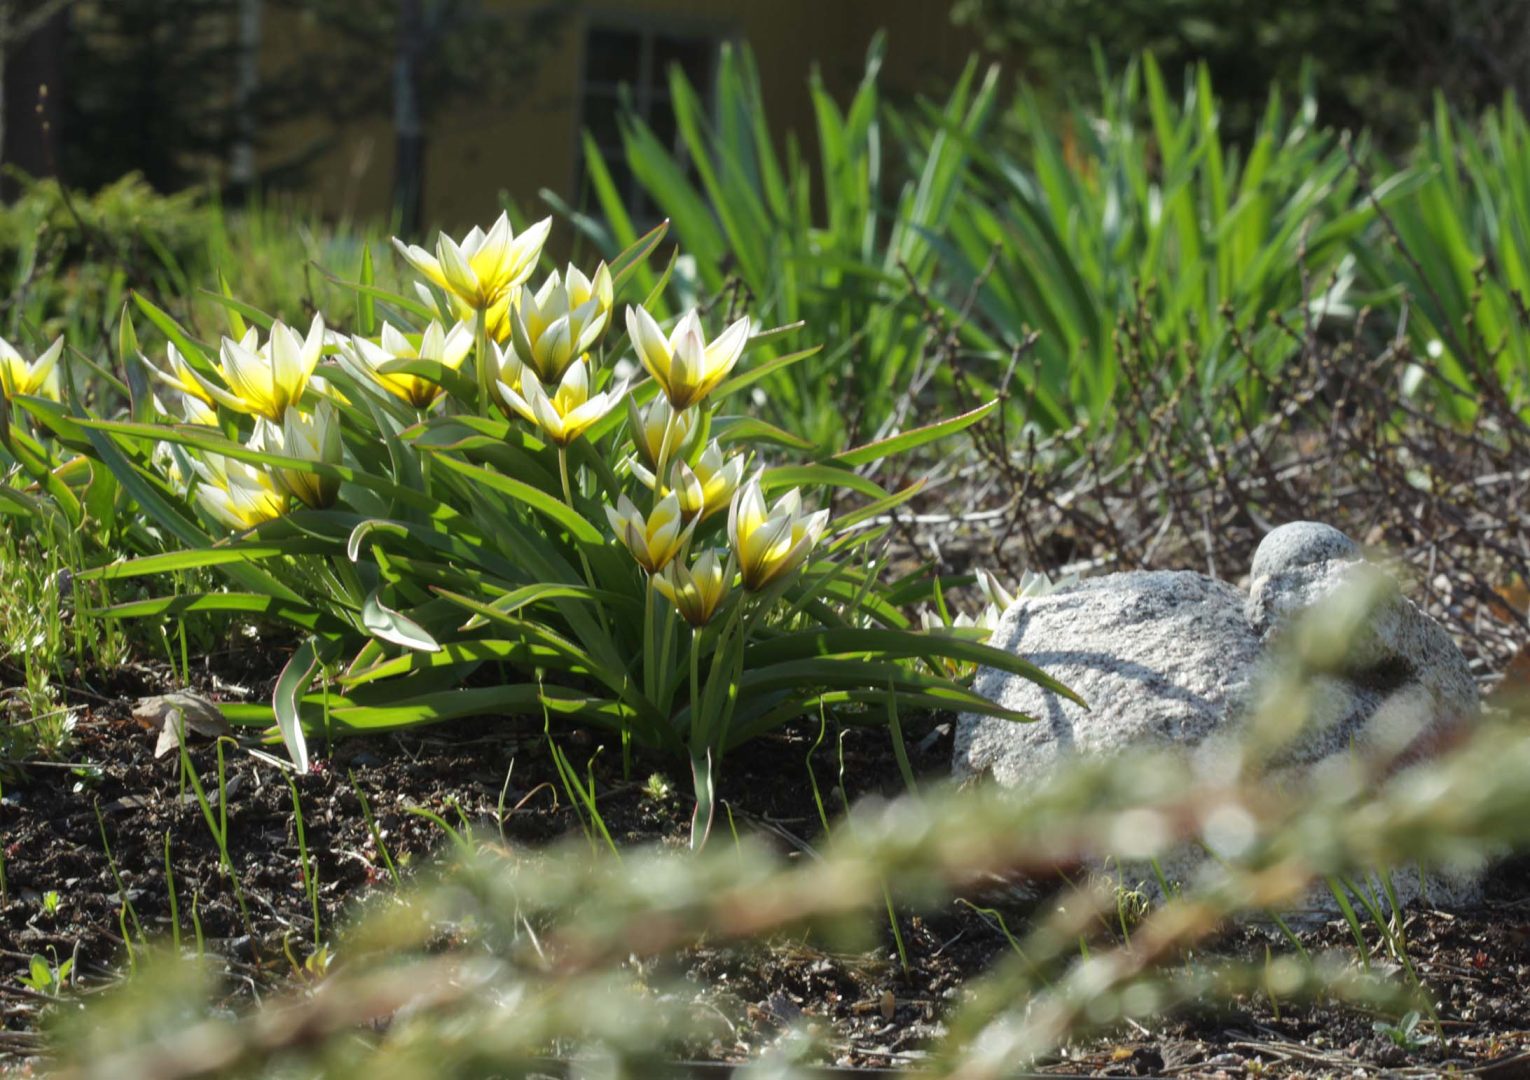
{"x": 37, "y": 379}
{"x": 699, "y": 591}
{"x": 771, "y": 543}
{"x": 654, "y": 540}
{"x": 684, "y": 365}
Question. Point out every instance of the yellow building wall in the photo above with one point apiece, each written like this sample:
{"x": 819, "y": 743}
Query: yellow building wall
{"x": 524, "y": 145}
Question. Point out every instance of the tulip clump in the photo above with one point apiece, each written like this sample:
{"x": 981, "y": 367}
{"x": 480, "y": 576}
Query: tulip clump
{"x": 617, "y": 546}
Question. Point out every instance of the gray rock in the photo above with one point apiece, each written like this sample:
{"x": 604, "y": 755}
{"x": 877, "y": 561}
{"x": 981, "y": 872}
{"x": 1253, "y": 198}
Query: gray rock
{"x": 1175, "y": 660}
{"x": 1161, "y": 657}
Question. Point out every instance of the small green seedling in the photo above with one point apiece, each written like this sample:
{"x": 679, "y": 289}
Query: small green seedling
{"x": 1405, "y": 1033}
{"x": 47, "y": 977}
{"x": 50, "y": 903}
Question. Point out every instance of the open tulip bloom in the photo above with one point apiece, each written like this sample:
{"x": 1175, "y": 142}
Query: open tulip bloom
{"x": 445, "y": 347}
{"x": 771, "y": 543}
{"x": 263, "y": 380}
{"x": 684, "y": 365}
{"x": 178, "y": 374}
{"x": 656, "y": 539}
{"x": 236, "y": 493}
{"x": 39, "y": 378}
{"x": 483, "y": 269}
{"x": 311, "y": 436}
{"x": 569, "y": 411}
{"x": 705, "y": 488}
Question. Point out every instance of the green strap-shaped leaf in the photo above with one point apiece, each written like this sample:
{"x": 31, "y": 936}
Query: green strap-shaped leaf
{"x": 290, "y": 687}
{"x": 394, "y": 626}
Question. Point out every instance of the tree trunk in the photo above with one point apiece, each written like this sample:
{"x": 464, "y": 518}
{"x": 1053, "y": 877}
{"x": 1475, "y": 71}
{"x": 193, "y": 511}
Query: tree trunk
{"x": 408, "y": 127}
{"x": 241, "y": 158}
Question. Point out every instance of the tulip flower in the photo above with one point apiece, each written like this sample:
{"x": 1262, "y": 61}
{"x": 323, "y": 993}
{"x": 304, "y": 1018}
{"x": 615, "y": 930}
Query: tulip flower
{"x": 565, "y": 414}
{"x": 446, "y": 347}
{"x": 705, "y": 488}
{"x": 771, "y": 543}
{"x": 39, "y": 378}
{"x": 561, "y": 320}
{"x": 484, "y": 269}
{"x": 193, "y": 410}
{"x": 310, "y": 437}
{"x": 684, "y": 365}
{"x": 265, "y": 379}
{"x": 699, "y": 591}
{"x": 236, "y": 493}
{"x": 646, "y": 427}
{"x": 997, "y": 595}
{"x": 179, "y": 375}
{"x": 496, "y": 317}
{"x": 655, "y": 540}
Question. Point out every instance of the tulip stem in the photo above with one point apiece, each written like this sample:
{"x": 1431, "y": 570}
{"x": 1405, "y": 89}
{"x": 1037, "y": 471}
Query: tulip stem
{"x": 650, "y": 658}
{"x": 481, "y": 352}
{"x": 659, "y": 474}
{"x": 568, "y": 492}
{"x": 568, "y": 497}
{"x": 696, "y": 719}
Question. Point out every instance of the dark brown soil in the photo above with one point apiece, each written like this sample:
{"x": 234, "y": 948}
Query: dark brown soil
{"x": 499, "y": 777}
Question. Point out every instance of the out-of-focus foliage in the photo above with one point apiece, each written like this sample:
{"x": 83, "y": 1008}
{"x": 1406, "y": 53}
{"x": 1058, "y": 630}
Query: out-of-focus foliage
{"x": 579, "y": 953}
{"x": 1376, "y": 63}
{"x": 69, "y": 259}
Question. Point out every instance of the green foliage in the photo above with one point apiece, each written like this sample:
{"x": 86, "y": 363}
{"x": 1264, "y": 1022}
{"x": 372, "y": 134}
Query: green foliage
{"x": 69, "y": 260}
{"x": 1376, "y": 62}
{"x": 835, "y": 243}
{"x": 1136, "y": 227}
{"x": 1453, "y": 253}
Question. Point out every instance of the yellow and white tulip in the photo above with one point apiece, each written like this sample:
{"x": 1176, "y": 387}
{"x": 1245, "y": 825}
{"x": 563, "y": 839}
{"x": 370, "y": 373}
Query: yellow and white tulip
{"x": 647, "y": 427}
{"x": 193, "y": 410}
{"x": 37, "y": 379}
{"x": 311, "y": 436}
{"x": 684, "y": 365}
{"x": 236, "y": 493}
{"x": 263, "y": 379}
{"x": 770, "y": 543}
{"x": 565, "y": 414}
{"x": 656, "y": 539}
{"x": 561, "y": 320}
{"x": 449, "y": 348}
{"x": 704, "y": 489}
{"x": 178, "y": 374}
{"x": 698, "y": 591}
{"x": 485, "y": 267}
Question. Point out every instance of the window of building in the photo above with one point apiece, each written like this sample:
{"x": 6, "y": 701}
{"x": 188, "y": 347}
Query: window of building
{"x": 629, "y": 65}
